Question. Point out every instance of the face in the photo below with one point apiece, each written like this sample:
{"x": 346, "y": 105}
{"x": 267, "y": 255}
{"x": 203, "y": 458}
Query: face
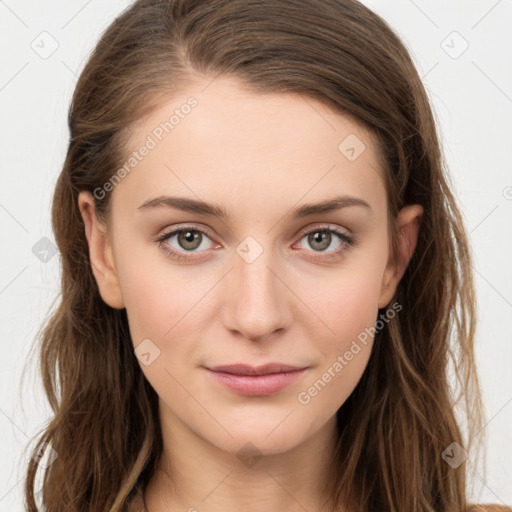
{"x": 268, "y": 280}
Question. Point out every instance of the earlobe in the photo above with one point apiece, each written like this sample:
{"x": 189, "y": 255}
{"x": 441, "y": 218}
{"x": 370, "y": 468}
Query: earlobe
{"x": 407, "y": 228}
{"x": 100, "y": 253}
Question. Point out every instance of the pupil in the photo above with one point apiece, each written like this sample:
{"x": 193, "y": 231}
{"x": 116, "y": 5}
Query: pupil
{"x": 321, "y": 238}
{"x": 188, "y": 239}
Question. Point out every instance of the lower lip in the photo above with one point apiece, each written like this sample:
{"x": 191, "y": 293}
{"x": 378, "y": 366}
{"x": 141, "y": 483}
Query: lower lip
{"x": 257, "y": 385}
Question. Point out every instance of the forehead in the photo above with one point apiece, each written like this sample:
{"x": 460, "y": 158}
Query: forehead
{"x": 219, "y": 142}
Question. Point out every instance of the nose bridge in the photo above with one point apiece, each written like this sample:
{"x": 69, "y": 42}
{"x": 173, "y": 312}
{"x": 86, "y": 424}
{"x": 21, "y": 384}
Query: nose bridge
{"x": 258, "y": 303}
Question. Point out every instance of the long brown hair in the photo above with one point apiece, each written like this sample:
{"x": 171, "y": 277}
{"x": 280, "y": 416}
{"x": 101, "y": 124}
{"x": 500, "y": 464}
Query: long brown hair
{"x": 399, "y": 420}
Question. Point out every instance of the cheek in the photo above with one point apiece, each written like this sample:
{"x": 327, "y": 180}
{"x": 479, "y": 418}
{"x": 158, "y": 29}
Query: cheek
{"x": 346, "y": 303}
{"x": 151, "y": 304}
{"x": 349, "y": 308}
{"x": 157, "y": 297}
{"x": 164, "y": 307}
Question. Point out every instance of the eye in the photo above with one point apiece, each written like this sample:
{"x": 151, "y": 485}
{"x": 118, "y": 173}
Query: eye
{"x": 320, "y": 239}
{"x": 185, "y": 242}
{"x": 179, "y": 242}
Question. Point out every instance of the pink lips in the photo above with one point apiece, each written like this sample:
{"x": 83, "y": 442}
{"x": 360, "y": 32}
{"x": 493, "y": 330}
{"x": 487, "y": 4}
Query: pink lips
{"x": 256, "y": 381}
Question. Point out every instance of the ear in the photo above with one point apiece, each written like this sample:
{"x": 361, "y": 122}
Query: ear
{"x": 100, "y": 253}
{"x": 407, "y": 227}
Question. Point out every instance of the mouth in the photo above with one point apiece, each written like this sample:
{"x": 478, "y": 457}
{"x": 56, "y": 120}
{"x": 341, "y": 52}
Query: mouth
{"x": 256, "y": 381}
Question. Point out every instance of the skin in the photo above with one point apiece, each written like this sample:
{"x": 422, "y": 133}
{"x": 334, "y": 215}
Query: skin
{"x": 270, "y": 153}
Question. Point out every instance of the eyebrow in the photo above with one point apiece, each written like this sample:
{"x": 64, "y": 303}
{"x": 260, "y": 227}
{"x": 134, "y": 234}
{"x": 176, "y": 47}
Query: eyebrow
{"x": 203, "y": 208}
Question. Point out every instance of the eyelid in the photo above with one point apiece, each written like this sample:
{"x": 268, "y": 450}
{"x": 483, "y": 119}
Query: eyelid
{"x": 304, "y": 231}
{"x": 184, "y": 227}
{"x": 322, "y": 226}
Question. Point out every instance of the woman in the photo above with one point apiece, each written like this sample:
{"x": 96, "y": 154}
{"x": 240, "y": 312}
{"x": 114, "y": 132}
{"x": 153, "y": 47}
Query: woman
{"x": 262, "y": 267}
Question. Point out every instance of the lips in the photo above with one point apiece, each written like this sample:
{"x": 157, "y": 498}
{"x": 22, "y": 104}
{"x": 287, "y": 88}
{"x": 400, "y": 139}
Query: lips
{"x": 262, "y": 380}
{"x": 245, "y": 369}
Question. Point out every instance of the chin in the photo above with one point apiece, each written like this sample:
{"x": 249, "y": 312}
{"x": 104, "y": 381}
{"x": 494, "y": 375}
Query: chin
{"x": 252, "y": 444}
{"x": 257, "y": 438}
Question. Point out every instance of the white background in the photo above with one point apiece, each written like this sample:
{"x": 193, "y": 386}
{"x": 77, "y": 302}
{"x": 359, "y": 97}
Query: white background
{"x": 472, "y": 99}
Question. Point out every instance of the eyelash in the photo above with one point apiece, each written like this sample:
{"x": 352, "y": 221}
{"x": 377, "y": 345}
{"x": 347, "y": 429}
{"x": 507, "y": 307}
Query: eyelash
{"x": 347, "y": 242}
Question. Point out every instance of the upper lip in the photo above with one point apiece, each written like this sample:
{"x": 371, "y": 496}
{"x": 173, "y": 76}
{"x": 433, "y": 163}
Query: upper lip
{"x": 246, "y": 369}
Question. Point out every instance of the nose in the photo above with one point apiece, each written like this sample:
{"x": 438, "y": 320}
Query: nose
{"x": 258, "y": 303}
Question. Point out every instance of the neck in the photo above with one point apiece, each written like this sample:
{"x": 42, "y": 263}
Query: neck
{"x": 195, "y": 475}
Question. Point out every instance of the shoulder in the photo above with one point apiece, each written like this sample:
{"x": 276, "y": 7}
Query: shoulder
{"x": 488, "y": 508}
